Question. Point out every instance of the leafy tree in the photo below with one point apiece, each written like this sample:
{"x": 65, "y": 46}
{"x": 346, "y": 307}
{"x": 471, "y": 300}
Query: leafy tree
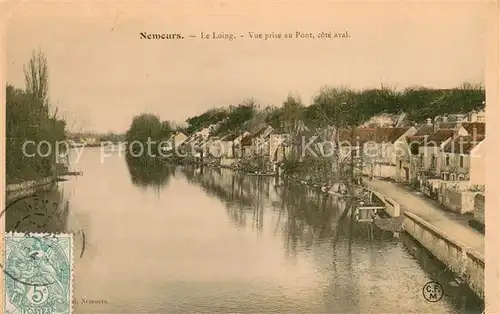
{"x": 293, "y": 114}
{"x": 146, "y": 127}
{"x": 237, "y": 116}
{"x": 28, "y": 118}
{"x": 210, "y": 117}
{"x": 334, "y": 107}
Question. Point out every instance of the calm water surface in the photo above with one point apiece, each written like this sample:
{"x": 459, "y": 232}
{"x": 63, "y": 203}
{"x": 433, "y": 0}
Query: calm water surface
{"x": 159, "y": 240}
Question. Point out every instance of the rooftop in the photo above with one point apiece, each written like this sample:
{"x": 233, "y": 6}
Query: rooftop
{"x": 438, "y": 137}
{"x": 479, "y": 126}
{"x": 462, "y": 144}
{"x": 379, "y": 135}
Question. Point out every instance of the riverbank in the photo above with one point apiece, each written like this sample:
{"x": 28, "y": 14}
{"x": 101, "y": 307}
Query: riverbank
{"x": 16, "y": 191}
{"x": 446, "y": 235}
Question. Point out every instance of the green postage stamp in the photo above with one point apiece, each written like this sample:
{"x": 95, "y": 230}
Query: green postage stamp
{"x": 38, "y": 273}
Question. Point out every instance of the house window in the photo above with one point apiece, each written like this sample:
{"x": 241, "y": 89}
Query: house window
{"x": 447, "y": 162}
{"x": 433, "y": 161}
{"x": 452, "y": 177}
{"x": 461, "y": 161}
{"x": 400, "y": 164}
{"x": 461, "y": 177}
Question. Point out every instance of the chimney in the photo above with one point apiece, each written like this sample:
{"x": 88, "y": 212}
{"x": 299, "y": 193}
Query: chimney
{"x": 429, "y": 121}
{"x": 445, "y": 119}
{"x": 473, "y": 116}
{"x": 436, "y": 123}
{"x": 474, "y": 133}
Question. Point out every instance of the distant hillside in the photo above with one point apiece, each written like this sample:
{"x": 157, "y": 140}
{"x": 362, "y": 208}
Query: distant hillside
{"x": 342, "y": 106}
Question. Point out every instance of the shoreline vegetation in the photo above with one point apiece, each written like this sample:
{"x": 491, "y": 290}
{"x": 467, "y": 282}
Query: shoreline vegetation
{"x": 331, "y": 110}
{"x": 30, "y": 116}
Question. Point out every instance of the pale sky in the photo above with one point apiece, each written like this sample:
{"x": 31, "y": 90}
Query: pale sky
{"x": 102, "y": 73}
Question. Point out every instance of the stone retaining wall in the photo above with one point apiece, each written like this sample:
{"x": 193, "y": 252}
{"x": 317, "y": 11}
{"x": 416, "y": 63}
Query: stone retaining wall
{"x": 458, "y": 201}
{"x": 455, "y": 255}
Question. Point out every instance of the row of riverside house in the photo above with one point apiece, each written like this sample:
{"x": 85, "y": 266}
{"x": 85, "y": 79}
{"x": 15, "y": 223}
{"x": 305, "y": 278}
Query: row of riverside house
{"x": 446, "y": 161}
{"x": 443, "y": 158}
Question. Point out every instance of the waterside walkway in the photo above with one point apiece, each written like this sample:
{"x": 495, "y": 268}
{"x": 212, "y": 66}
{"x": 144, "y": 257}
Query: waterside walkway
{"x": 454, "y": 225}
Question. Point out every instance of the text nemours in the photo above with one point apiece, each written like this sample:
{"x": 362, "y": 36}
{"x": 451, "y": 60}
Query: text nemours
{"x": 250, "y": 35}
{"x": 146, "y": 35}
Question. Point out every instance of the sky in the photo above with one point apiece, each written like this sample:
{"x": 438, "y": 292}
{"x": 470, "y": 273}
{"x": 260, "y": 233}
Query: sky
{"x": 102, "y": 74}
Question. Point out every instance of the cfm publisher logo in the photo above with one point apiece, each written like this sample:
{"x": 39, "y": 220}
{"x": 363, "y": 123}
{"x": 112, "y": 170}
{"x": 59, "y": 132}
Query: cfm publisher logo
{"x": 433, "y": 291}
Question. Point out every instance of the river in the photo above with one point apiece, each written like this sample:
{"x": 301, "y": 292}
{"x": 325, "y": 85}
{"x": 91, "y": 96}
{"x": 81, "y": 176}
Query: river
{"x": 157, "y": 239}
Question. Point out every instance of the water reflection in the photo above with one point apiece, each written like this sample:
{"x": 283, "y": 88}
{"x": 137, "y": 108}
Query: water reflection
{"x": 145, "y": 172}
{"x": 42, "y": 212}
{"x": 306, "y": 216}
{"x": 360, "y": 263}
{"x": 462, "y": 296}
{"x": 217, "y": 241}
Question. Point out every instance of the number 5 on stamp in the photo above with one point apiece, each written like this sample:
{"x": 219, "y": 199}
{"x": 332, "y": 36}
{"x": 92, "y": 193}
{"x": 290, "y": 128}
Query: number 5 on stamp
{"x": 38, "y": 273}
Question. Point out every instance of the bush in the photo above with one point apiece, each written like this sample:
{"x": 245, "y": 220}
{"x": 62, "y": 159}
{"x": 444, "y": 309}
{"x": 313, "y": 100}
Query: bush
{"x": 26, "y": 120}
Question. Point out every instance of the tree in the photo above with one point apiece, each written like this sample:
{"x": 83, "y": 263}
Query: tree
{"x": 28, "y": 118}
{"x": 36, "y": 78}
{"x": 238, "y": 116}
{"x": 146, "y": 126}
{"x": 293, "y": 111}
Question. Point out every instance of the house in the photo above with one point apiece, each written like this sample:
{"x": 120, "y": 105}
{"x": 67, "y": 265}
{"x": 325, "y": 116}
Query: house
{"x": 279, "y": 148}
{"x": 476, "y": 116}
{"x": 213, "y": 147}
{"x": 406, "y": 164}
{"x": 222, "y": 146}
{"x": 463, "y": 173}
{"x": 416, "y": 154}
{"x": 238, "y": 144}
{"x": 227, "y": 144}
{"x": 174, "y": 142}
{"x": 302, "y": 142}
{"x": 430, "y": 150}
{"x": 245, "y": 145}
{"x": 261, "y": 141}
{"x": 257, "y": 143}
{"x": 456, "y": 157}
{"x": 195, "y": 144}
{"x": 177, "y": 139}
{"x": 477, "y": 164}
{"x": 380, "y": 148}
{"x": 475, "y": 128}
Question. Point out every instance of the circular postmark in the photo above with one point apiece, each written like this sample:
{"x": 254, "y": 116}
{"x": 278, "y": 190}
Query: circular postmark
{"x": 433, "y": 291}
{"x": 35, "y": 214}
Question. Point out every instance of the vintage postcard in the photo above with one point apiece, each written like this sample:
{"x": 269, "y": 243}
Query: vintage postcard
{"x": 250, "y": 157}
